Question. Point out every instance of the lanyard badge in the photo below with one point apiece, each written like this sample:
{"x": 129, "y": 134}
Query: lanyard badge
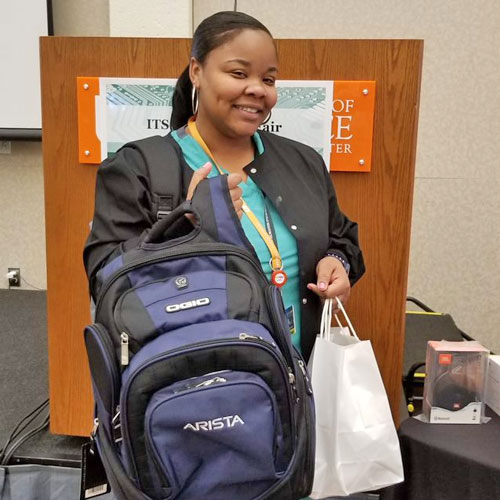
{"x": 278, "y": 276}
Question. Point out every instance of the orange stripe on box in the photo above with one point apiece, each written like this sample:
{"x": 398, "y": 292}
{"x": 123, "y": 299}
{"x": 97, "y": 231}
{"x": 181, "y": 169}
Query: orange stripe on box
{"x": 89, "y": 145}
{"x": 352, "y": 126}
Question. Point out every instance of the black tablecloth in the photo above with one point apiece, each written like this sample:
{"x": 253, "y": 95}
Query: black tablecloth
{"x": 449, "y": 461}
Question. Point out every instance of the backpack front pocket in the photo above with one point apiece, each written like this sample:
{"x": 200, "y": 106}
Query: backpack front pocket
{"x": 215, "y": 436}
{"x": 148, "y": 310}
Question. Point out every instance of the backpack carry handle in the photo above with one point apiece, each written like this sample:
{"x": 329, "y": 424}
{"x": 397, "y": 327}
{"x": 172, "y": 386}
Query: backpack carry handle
{"x": 214, "y": 214}
{"x": 172, "y": 226}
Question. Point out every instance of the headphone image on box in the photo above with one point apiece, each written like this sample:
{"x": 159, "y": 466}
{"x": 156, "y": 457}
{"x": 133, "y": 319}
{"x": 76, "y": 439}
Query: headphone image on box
{"x": 452, "y": 388}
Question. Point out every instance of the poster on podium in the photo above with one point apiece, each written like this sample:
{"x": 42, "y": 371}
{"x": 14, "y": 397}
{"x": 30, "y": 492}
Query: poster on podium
{"x": 114, "y": 111}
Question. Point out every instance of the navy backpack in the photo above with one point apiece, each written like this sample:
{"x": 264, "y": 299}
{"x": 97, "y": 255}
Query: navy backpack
{"x": 199, "y": 392}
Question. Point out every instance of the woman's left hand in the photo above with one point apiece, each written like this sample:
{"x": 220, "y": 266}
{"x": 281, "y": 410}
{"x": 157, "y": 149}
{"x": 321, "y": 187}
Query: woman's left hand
{"x": 332, "y": 280}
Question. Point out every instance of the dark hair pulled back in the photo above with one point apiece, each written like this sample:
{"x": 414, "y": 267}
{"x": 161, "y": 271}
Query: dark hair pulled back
{"x": 213, "y": 32}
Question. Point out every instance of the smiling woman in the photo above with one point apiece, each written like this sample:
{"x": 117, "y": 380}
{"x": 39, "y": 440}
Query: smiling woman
{"x": 236, "y": 92}
{"x": 222, "y": 98}
{"x": 305, "y": 244}
{"x": 282, "y": 192}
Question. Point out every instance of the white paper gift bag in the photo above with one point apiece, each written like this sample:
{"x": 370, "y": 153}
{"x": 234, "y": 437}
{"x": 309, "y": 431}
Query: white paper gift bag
{"x": 357, "y": 447}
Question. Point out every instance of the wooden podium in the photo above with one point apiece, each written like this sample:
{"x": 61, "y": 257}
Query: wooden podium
{"x": 380, "y": 201}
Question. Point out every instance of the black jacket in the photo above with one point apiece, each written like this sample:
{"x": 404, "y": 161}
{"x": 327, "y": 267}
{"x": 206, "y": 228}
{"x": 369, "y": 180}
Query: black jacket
{"x": 292, "y": 176}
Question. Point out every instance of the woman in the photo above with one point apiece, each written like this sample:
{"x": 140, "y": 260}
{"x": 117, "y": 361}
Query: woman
{"x": 224, "y": 95}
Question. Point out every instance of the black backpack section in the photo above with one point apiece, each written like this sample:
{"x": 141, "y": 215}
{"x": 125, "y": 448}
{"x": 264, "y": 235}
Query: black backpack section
{"x": 138, "y": 353}
{"x": 164, "y": 172}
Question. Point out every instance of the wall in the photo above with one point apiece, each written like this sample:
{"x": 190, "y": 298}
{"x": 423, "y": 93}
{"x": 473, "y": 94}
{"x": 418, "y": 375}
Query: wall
{"x": 161, "y": 18}
{"x": 76, "y": 18}
{"x": 455, "y": 256}
{"x": 22, "y": 219}
{"x": 455, "y": 260}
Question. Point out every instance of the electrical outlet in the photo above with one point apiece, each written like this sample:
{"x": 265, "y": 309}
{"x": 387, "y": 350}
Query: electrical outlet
{"x": 5, "y": 147}
{"x": 16, "y": 280}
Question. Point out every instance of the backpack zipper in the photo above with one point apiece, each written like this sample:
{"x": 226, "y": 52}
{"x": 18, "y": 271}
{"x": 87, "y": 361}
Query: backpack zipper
{"x": 116, "y": 426}
{"x": 212, "y": 381}
{"x": 124, "y": 349}
{"x": 277, "y": 324}
{"x": 306, "y": 376}
{"x": 309, "y": 462}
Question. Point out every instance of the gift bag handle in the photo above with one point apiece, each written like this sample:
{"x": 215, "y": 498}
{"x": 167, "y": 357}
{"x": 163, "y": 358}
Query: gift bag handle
{"x": 326, "y": 319}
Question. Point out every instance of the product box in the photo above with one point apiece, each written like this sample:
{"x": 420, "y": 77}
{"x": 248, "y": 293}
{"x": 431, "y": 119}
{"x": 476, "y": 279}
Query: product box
{"x": 455, "y": 382}
{"x": 493, "y": 384}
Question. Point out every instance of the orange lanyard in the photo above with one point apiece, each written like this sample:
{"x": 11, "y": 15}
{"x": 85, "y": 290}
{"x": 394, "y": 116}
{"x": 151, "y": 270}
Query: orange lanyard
{"x": 278, "y": 276}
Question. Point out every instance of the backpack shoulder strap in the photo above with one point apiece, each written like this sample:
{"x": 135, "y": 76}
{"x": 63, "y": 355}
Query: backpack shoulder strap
{"x": 165, "y": 172}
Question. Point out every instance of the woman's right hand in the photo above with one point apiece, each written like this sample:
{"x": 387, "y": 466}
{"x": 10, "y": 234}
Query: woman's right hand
{"x": 232, "y": 181}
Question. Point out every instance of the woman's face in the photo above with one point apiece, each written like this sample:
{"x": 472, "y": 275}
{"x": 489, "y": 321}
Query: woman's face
{"x": 236, "y": 84}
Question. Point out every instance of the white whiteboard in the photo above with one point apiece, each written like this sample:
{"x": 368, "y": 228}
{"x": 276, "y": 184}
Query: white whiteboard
{"x": 22, "y": 22}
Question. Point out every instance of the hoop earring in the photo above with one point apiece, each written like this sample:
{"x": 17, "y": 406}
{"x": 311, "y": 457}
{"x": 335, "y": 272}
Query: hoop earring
{"x": 194, "y": 100}
{"x": 268, "y": 117}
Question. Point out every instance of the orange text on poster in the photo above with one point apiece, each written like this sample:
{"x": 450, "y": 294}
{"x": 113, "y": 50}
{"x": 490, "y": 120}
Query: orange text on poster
{"x": 352, "y": 126}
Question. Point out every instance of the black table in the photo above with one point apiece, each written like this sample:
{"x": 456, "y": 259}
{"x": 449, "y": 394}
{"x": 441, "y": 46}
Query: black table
{"x": 449, "y": 461}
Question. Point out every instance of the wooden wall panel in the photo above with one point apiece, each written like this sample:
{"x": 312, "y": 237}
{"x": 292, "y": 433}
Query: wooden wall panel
{"x": 380, "y": 200}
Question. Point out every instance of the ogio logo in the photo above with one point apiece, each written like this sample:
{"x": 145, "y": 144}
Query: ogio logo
{"x": 215, "y": 424}
{"x": 190, "y": 304}
{"x": 181, "y": 282}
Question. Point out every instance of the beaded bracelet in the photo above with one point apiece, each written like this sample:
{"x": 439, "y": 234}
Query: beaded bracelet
{"x": 340, "y": 258}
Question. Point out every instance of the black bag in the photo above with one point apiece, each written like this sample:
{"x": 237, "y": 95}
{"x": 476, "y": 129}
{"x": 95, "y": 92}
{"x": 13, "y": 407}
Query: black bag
{"x": 199, "y": 392}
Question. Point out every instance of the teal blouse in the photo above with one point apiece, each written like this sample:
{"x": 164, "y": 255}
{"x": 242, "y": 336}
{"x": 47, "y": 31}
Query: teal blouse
{"x": 196, "y": 157}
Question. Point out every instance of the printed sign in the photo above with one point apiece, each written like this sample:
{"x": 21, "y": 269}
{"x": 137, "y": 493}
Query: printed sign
{"x": 113, "y": 111}
{"x": 303, "y": 113}
{"x": 131, "y": 109}
{"x": 352, "y": 126}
